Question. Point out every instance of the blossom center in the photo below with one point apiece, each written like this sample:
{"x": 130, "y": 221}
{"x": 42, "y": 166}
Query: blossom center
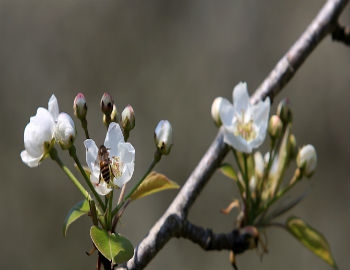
{"x": 116, "y": 166}
{"x": 245, "y": 127}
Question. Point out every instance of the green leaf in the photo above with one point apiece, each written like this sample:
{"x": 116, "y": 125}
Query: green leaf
{"x": 153, "y": 183}
{"x": 311, "y": 239}
{"x": 228, "y": 171}
{"x": 78, "y": 210}
{"x": 114, "y": 247}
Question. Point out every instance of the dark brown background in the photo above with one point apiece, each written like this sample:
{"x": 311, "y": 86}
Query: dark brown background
{"x": 169, "y": 59}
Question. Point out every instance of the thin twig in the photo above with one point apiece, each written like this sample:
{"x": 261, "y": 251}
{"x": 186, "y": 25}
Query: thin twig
{"x": 172, "y": 220}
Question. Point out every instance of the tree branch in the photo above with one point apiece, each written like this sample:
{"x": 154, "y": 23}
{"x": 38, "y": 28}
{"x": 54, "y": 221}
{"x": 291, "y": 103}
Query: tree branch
{"x": 324, "y": 23}
{"x": 238, "y": 240}
{"x": 173, "y": 222}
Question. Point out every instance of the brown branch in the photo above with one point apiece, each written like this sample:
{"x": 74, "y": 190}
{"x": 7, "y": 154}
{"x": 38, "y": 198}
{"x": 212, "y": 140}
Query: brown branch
{"x": 172, "y": 221}
{"x": 341, "y": 34}
{"x": 238, "y": 240}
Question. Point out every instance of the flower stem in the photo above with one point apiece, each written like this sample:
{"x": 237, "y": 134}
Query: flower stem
{"x": 109, "y": 210}
{"x": 157, "y": 157}
{"x": 84, "y": 125}
{"x": 75, "y": 181}
{"x": 73, "y": 154}
{"x": 296, "y": 177}
{"x": 244, "y": 172}
{"x": 246, "y": 181}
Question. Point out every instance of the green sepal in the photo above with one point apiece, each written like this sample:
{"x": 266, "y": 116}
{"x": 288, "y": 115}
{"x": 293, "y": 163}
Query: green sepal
{"x": 153, "y": 183}
{"x": 78, "y": 210}
{"x": 311, "y": 239}
{"x": 114, "y": 247}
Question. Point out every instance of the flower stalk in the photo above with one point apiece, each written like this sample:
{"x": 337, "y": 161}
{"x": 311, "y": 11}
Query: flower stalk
{"x": 126, "y": 198}
{"x": 73, "y": 154}
{"x": 54, "y": 156}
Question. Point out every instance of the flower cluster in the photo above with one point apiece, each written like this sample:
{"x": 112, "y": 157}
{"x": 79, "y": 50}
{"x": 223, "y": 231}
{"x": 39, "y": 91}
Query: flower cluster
{"x": 46, "y": 127}
{"x": 110, "y": 167}
{"x": 260, "y": 179}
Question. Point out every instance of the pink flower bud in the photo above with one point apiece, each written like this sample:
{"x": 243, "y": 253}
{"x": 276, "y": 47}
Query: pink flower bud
{"x": 79, "y": 106}
{"x": 107, "y": 104}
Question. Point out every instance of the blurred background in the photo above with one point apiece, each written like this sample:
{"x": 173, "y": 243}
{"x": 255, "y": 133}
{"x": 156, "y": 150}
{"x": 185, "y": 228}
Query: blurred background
{"x": 169, "y": 60}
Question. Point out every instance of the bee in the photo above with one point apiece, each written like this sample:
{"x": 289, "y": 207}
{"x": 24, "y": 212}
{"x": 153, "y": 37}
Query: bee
{"x": 105, "y": 164}
{"x": 109, "y": 167}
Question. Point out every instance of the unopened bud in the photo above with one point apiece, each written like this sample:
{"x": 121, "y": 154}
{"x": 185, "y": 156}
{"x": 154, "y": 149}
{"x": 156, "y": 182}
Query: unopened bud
{"x": 284, "y": 111}
{"x": 163, "y": 137}
{"x": 79, "y": 106}
{"x": 128, "y": 118}
{"x": 107, "y": 104}
{"x": 275, "y": 127}
{"x": 259, "y": 165}
{"x": 65, "y": 132}
{"x": 307, "y": 160}
{"x": 215, "y": 110}
{"x": 292, "y": 146}
{"x": 114, "y": 114}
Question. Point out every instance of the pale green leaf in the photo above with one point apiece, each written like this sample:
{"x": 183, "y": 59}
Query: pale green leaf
{"x": 114, "y": 247}
{"x": 311, "y": 239}
{"x": 78, "y": 210}
{"x": 153, "y": 183}
{"x": 228, "y": 171}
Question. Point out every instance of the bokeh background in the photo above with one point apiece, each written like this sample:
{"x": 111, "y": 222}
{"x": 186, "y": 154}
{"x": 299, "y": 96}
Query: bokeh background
{"x": 169, "y": 60}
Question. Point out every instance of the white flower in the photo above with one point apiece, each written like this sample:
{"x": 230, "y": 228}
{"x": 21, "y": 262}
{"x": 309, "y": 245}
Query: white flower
{"x": 39, "y": 134}
{"x": 65, "y": 130}
{"x": 121, "y": 156}
{"x": 244, "y": 124}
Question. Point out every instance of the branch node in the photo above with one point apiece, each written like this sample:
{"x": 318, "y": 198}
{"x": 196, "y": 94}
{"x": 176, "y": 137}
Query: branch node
{"x": 342, "y": 34}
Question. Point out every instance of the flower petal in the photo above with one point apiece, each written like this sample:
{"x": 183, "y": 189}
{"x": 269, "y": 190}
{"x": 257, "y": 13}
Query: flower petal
{"x": 260, "y": 111}
{"x": 113, "y": 138}
{"x": 91, "y": 154}
{"x": 241, "y": 100}
{"x": 38, "y": 131}
{"x": 53, "y": 107}
{"x": 128, "y": 170}
{"x": 226, "y": 112}
{"x": 65, "y": 130}
{"x": 126, "y": 152}
{"x": 127, "y": 157}
{"x": 236, "y": 142}
{"x": 30, "y": 160}
{"x": 102, "y": 188}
